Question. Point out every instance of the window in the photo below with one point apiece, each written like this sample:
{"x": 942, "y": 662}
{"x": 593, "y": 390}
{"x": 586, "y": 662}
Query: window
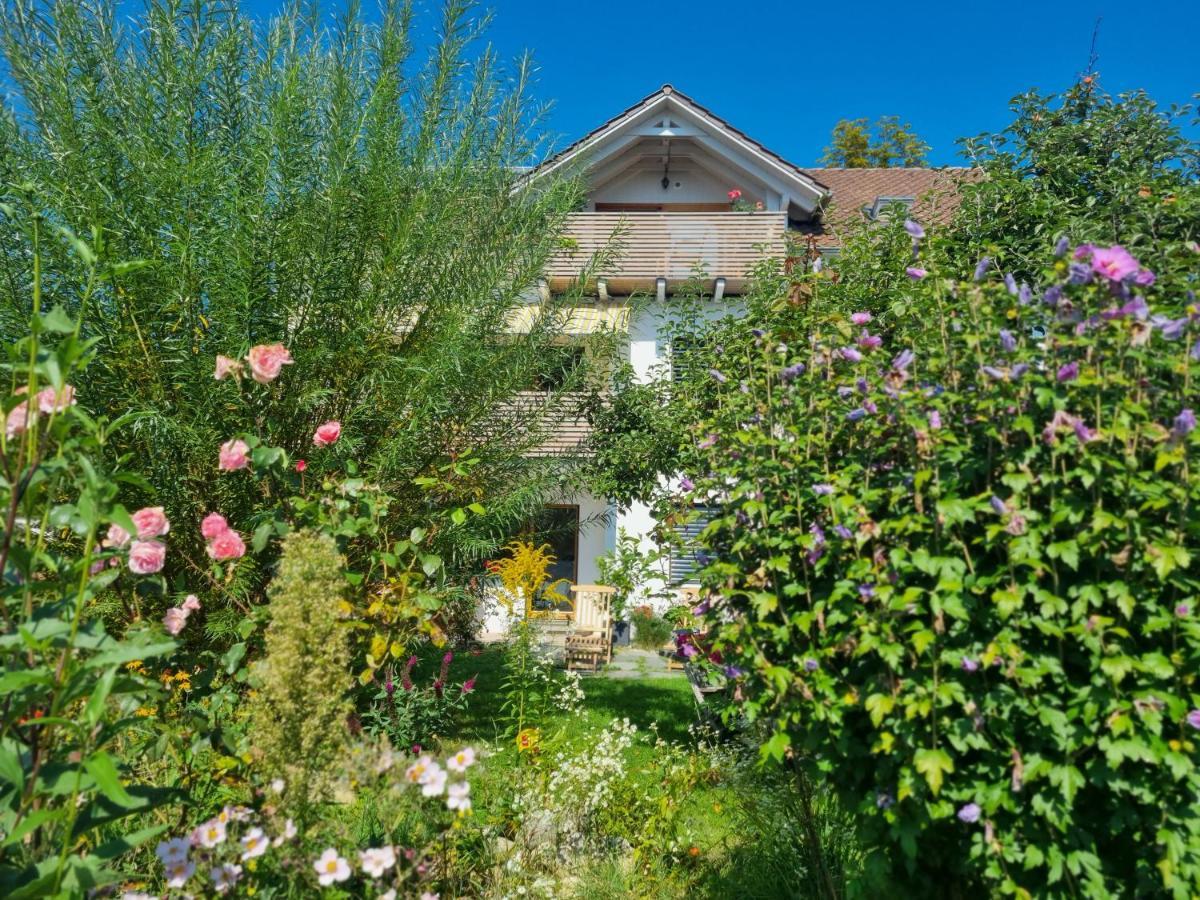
{"x": 885, "y": 207}
{"x": 682, "y": 359}
{"x": 558, "y": 526}
{"x": 686, "y": 557}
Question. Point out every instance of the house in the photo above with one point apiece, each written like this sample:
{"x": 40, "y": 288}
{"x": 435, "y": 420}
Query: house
{"x": 662, "y": 171}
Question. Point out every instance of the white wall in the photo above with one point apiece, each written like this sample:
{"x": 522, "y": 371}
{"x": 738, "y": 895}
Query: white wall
{"x": 649, "y": 355}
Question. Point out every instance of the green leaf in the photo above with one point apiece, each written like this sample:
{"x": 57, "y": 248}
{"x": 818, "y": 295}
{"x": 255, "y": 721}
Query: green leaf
{"x": 102, "y": 768}
{"x": 94, "y": 711}
{"x": 430, "y": 563}
{"x": 934, "y": 765}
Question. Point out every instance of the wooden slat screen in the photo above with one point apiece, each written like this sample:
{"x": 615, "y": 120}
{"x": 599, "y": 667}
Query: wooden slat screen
{"x": 671, "y": 244}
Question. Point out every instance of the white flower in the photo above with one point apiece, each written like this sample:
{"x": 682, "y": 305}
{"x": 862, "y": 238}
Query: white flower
{"x": 173, "y": 851}
{"x": 430, "y": 895}
{"x": 461, "y": 761}
{"x": 388, "y": 895}
{"x": 255, "y": 842}
{"x": 211, "y": 833}
{"x": 239, "y": 813}
{"x": 458, "y": 796}
{"x": 178, "y": 873}
{"x": 138, "y": 895}
{"x": 289, "y": 832}
{"x": 226, "y": 876}
{"x": 278, "y": 785}
{"x": 376, "y": 861}
{"x": 386, "y": 760}
{"x": 331, "y": 867}
{"x": 433, "y": 782}
{"x": 416, "y": 772}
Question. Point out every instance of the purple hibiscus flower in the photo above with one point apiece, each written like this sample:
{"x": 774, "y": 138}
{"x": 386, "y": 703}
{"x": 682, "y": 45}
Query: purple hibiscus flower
{"x": 1114, "y": 263}
{"x": 869, "y": 341}
{"x": 1010, "y": 283}
{"x": 935, "y": 420}
{"x": 710, "y": 440}
{"x": 914, "y": 229}
{"x": 686, "y": 484}
{"x": 970, "y": 813}
{"x": 1193, "y": 718}
{"x": 998, "y": 505}
{"x": 843, "y": 532}
{"x": 915, "y": 273}
{"x": 1184, "y": 424}
{"x": 866, "y": 591}
{"x": 981, "y": 268}
{"x": 1008, "y": 343}
{"x": 811, "y": 665}
{"x": 903, "y": 360}
{"x": 1079, "y": 273}
{"x": 1068, "y": 372}
{"x": 822, "y": 490}
{"x": 970, "y": 665}
{"x": 1061, "y": 245}
{"x": 718, "y": 376}
{"x": 1052, "y": 296}
{"x": 792, "y": 372}
{"x": 860, "y": 318}
{"x": 850, "y": 354}
{"x": 856, "y": 414}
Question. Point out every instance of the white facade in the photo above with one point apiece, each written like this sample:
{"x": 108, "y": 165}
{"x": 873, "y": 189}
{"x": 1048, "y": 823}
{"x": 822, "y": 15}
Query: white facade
{"x": 668, "y": 157}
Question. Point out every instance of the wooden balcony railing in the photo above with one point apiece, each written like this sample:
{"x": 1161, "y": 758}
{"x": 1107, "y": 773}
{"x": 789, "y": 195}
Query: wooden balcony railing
{"x": 670, "y": 245}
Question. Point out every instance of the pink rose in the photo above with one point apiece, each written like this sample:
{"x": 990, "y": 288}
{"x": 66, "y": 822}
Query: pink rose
{"x": 227, "y": 545}
{"x": 51, "y": 401}
{"x": 227, "y": 366}
{"x": 213, "y": 525}
{"x": 235, "y": 454}
{"x": 266, "y": 361}
{"x": 174, "y": 620}
{"x": 18, "y": 420}
{"x": 117, "y": 536}
{"x": 151, "y": 521}
{"x": 735, "y": 194}
{"x": 328, "y": 434}
{"x": 147, "y": 557}
{"x": 191, "y": 603}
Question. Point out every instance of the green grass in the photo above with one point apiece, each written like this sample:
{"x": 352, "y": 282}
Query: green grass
{"x": 662, "y": 701}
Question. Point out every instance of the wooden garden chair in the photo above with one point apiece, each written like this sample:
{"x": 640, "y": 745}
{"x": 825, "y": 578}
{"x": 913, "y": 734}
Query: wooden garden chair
{"x": 590, "y": 641}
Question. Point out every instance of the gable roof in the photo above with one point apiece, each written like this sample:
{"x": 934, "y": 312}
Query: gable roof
{"x": 934, "y": 192}
{"x": 668, "y": 95}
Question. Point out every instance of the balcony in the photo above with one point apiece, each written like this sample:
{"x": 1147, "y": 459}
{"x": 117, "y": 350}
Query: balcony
{"x": 670, "y": 246}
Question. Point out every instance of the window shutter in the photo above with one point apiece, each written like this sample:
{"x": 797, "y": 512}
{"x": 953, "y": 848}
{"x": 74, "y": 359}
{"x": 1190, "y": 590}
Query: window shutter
{"x": 686, "y": 559}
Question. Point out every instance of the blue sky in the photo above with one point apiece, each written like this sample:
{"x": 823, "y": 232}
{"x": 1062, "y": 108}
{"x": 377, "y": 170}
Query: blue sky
{"x": 786, "y": 72}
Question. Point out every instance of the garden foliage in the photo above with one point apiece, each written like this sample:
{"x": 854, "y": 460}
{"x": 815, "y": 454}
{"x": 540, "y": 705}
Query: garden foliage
{"x": 298, "y": 715}
{"x": 955, "y": 565}
{"x": 347, "y": 191}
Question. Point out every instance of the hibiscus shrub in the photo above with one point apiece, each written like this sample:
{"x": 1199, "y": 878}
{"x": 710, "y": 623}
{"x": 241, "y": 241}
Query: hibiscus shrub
{"x": 953, "y": 565}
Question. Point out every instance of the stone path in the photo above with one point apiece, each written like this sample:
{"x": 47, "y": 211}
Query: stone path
{"x": 630, "y": 662}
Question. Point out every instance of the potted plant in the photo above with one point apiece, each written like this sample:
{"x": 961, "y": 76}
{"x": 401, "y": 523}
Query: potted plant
{"x": 631, "y": 571}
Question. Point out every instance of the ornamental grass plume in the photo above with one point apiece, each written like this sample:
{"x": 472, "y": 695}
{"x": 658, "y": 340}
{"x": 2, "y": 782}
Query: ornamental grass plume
{"x": 298, "y": 716}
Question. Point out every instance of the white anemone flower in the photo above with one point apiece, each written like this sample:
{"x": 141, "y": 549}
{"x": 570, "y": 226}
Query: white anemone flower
{"x": 377, "y": 860}
{"x": 462, "y": 760}
{"x": 331, "y": 867}
{"x": 255, "y": 842}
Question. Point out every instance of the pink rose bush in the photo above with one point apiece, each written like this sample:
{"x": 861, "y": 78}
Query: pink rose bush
{"x": 234, "y": 455}
{"x": 226, "y": 367}
{"x": 267, "y": 361}
{"x": 227, "y": 545}
{"x": 147, "y": 557}
{"x": 327, "y": 434}
{"x": 151, "y": 522}
{"x": 176, "y": 617}
{"x": 48, "y": 401}
{"x": 214, "y": 524}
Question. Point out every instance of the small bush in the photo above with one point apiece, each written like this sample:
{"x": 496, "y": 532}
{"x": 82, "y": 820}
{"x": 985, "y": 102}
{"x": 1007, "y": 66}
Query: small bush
{"x": 298, "y": 717}
{"x": 650, "y": 632}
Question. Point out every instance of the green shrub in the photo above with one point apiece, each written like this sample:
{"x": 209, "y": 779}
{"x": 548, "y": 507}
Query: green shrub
{"x": 650, "y": 631}
{"x": 298, "y": 716}
{"x": 957, "y": 569}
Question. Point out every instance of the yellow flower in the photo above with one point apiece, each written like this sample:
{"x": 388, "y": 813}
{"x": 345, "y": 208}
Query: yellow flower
{"x": 527, "y": 740}
{"x": 144, "y": 711}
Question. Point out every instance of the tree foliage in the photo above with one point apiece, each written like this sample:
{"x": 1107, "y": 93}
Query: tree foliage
{"x": 857, "y": 144}
{"x": 333, "y": 189}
